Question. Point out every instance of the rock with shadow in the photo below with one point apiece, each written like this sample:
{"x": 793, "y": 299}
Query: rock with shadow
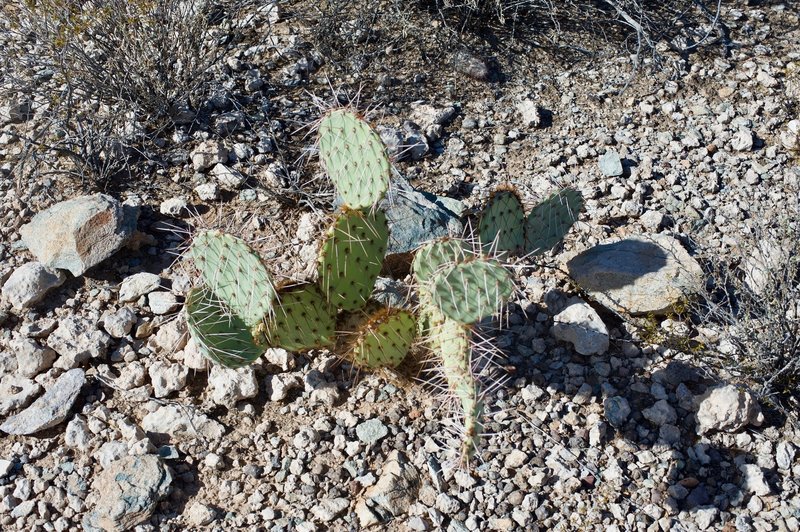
{"x": 639, "y": 275}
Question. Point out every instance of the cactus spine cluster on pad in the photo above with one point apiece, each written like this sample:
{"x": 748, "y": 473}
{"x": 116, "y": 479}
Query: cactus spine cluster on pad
{"x": 302, "y": 319}
{"x": 549, "y": 221}
{"x": 502, "y": 222}
{"x": 383, "y": 339}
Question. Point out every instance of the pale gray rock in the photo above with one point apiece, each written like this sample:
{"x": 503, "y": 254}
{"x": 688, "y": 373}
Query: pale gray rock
{"x": 639, "y": 275}
{"x": 78, "y": 434}
{"x": 610, "y": 164}
{"x": 32, "y": 358}
{"x": 229, "y": 386}
{"x": 371, "y": 431}
{"x": 109, "y": 452}
{"x": 174, "y": 206}
{"x": 130, "y": 376}
{"x": 118, "y": 324}
{"x": 529, "y": 113}
{"x": 661, "y": 413}
{"x": 138, "y": 285}
{"x": 753, "y": 480}
{"x": 127, "y": 492}
{"x": 167, "y": 378}
{"x": 207, "y": 191}
{"x": 170, "y": 338}
{"x": 193, "y": 358}
{"x": 280, "y": 358}
{"x": 228, "y": 178}
{"x": 208, "y": 154}
{"x": 616, "y": 410}
{"x": 516, "y": 459}
{"x": 580, "y": 325}
{"x": 77, "y": 340}
{"x": 182, "y": 423}
{"x": 727, "y": 409}
{"x": 327, "y": 510}
{"x": 28, "y": 284}
{"x": 6, "y": 467}
{"x": 16, "y": 392}
{"x": 784, "y": 455}
{"x": 79, "y": 233}
{"x": 199, "y": 514}
{"x": 742, "y": 140}
{"x": 279, "y": 386}
{"x": 50, "y": 409}
{"x": 162, "y": 302}
{"x": 392, "y": 495}
{"x": 705, "y": 517}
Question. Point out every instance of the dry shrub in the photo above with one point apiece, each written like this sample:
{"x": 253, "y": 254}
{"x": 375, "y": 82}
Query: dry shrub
{"x": 753, "y": 300}
{"x": 104, "y": 76}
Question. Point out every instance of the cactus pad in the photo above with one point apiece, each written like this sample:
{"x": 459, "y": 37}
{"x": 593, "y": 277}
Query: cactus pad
{"x": 384, "y": 339}
{"x": 436, "y": 256}
{"x": 549, "y": 221}
{"x": 235, "y": 274}
{"x": 351, "y": 257}
{"x": 355, "y": 158}
{"x": 222, "y": 337}
{"x": 452, "y": 340}
{"x": 302, "y": 319}
{"x": 502, "y": 223}
{"x": 471, "y": 290}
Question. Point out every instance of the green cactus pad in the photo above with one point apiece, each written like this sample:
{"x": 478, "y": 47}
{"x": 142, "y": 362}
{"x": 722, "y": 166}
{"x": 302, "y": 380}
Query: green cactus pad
{"x": 436, "y": 256}
{"x": 222, "y": 337}
{"x": 502, "y": 222}
{"x": 471, "y": 290}
{"x": 355, "y": 158}
{"x": 351, "y": 257}
{"x": 384, "y": 339}
{"x": 302, "y": 319}
{"x": 235, "y": 274}
{"x": 452, "y": 341}
{"x": 550, "y": 221}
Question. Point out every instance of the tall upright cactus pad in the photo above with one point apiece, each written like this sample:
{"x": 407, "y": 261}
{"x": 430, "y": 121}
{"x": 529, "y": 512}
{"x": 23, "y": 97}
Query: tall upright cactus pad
{"x": 235, "y": 274}
{"x": 351, "y": 257}
{"x": 302, "y": 319}
{"x": 502, "y": 223}
{"x": 436, "y": 256}
{"x": 383, "y": 339}
{"x": 355, "y": 158}
{"x": 451, "y": 340}
{"x": 471, "y": 290}
{"x": 221, "y": 336}
{"x": 549, "y": 221}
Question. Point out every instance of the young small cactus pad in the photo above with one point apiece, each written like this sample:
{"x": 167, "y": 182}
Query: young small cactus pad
{"x": 471, "y": 290}
{"x": 436, "y": 256}
{"x": 222, "y": 337}
{"x": 551, "y": 220}
{"x": 451, "y": 340}
{"x": 302, "y": 319}
{"x": 502, "y": 222}
{"x": 235, "y": 274}
{"x": 351, "y": 257}
{"x": 355, "y": 158}
{"x": 384, "y": 339}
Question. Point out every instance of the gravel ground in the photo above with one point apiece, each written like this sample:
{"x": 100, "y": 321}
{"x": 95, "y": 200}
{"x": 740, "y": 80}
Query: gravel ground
{"x": 133, "y": 429}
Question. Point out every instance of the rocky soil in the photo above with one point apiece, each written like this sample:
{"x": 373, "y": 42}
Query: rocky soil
{"x": 112, "y": 420}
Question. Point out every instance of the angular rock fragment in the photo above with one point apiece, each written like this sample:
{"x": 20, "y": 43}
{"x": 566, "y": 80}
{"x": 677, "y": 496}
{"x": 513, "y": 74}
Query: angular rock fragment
{"x": 50, "y": 409}
{"x": 28, "y": 284}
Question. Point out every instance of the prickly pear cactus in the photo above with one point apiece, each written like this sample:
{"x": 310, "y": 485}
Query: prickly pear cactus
{"x": 221, "y": 336}
{"x": 235, "y": 274}
{"x": 437, "y": 255}
{"x": 383, "y": 339}
{"x": 549, "y": 221}
{"x": 355, "y": 158}
{"x": 502, "y": 222}
{"x": 471, "y": 290}
{"x": 302, "y": 319}
{"x": 351, "y": 257}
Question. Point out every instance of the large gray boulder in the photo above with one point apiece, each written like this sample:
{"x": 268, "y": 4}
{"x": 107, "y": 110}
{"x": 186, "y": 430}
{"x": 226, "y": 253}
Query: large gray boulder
{"x": 76, "y": 234}
{"x": 639, "y": 275}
